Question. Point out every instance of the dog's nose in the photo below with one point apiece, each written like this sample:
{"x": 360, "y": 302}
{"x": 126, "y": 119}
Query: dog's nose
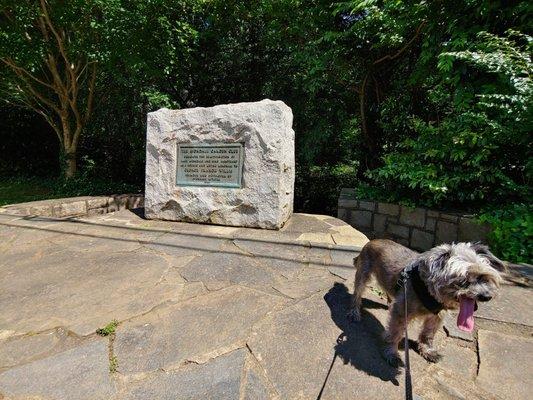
{"x": 483, "y": 297}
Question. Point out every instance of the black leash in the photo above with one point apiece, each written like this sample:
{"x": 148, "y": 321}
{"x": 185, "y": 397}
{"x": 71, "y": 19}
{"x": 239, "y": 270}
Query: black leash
{"x": 408, "y": 383}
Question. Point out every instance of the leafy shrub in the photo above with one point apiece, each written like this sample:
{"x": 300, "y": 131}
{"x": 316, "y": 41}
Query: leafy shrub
{"x": 512, "y": 232}
{"x": 318, "y": 187}
{"x": 477, "y": 149}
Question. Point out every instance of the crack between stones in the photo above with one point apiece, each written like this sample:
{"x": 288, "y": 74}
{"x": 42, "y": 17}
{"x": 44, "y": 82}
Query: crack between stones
{"x": 478, "y": 358}
{"x": 244, "y": 378}
{"x": 273, "y": 393}
{"x": 244, "y": 251}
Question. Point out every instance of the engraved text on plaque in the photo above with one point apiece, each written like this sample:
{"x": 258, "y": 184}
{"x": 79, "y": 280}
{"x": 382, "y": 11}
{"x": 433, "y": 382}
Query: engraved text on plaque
{"x": 209, "y": 165}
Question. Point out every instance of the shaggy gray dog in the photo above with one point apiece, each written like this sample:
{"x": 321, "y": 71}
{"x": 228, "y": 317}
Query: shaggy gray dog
{"x": 449, "y": 276}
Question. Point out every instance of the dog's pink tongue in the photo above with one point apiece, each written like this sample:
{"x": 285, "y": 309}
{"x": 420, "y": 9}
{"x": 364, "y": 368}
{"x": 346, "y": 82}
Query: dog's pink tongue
{"x": 465, "y": 319}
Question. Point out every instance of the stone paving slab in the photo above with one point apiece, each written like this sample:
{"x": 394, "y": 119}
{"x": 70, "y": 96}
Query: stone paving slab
{"x": 192, "y": 331}
{"x": 231, "y": 268}
{"x": 513, "y": 305}
{"x": 18, "y": 350}
{"x": 218, "y": 312}
{"x": 506, "y": 367}
{"x": 215, "y": 380}
{"x": 80, "y": 373}
{"x": 84, "y": 291}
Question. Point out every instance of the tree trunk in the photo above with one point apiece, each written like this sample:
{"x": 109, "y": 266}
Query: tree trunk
{"x": 70, "y": 165}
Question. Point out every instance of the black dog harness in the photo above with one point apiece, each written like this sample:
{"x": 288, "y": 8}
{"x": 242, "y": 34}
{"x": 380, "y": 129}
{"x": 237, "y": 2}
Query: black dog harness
{"x": 411, "y": 273}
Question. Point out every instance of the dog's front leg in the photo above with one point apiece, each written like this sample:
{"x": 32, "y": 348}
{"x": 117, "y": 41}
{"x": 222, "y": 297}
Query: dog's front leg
{"x": 394, "y": 333}
{"x": 431, "y": 325}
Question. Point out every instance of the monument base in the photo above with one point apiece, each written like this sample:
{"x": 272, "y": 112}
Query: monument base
{"x": 229, "y": 165}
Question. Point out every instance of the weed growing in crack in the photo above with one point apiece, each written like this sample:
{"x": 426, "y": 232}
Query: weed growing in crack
{"x": 113, "y": 364}
{"x": 108, "y": 329}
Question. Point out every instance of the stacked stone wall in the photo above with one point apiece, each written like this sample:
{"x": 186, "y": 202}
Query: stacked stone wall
{"x": 418, "y": 228}
{"x": 76, "y": 206}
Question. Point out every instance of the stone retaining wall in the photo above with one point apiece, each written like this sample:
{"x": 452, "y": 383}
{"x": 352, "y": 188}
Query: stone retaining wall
{"x": 418, "y": 228}
{"x": 75, "y": 206}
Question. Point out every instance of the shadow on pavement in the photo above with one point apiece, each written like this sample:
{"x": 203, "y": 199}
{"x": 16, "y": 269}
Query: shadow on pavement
{"x": 360, "y": 344}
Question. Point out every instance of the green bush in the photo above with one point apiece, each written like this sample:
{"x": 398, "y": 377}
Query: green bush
{"x": 512, "y": 232}
{"x": 318, "y": 187}
{"x": 23, "y": 189}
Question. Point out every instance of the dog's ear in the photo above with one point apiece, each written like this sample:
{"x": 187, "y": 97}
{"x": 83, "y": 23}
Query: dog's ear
{"x": 437, "y": 257}
{"x": 494, "y": 261}
{"x": 439, "y": 262}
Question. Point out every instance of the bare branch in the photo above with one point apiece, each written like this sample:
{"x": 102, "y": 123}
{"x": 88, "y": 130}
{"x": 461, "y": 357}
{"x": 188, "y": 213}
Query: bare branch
{"x": 9, "y": 62}
{"x": 59, "y": 40}
{"x": 405, "y": 47}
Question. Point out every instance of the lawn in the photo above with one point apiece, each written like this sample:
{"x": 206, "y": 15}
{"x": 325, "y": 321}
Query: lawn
{"x": 22, "y": 190}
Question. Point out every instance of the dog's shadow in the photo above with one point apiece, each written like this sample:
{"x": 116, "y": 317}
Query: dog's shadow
{"x": 360, "y": 343}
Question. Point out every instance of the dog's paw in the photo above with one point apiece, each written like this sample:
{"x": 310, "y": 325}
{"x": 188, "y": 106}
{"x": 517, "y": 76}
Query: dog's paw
{"x": 393, "y": 359}
{"x": 353, "y": 315}
{"x": 431, "y": 355}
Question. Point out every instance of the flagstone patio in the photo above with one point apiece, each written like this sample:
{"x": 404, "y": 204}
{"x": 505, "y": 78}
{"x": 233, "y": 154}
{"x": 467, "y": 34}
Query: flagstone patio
{"x": 211, "y": 312}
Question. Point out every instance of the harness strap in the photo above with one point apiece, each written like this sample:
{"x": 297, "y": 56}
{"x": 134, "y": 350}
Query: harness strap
{"x": 411, "y": 272}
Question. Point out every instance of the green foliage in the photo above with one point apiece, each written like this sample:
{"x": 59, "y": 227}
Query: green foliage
{"x": 479, "y": 148}
{"x": 20, "y": 191}
{"x": 512, "y": 231}
{"x": 318, "y": 188}
{"x": 418, "y": 102}
{"x": 109, "y": 329}
{"x": 23, "y": 189}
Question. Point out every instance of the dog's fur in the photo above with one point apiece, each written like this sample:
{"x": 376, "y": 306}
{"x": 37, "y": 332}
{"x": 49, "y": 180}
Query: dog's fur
{"x": 448, "y": 271}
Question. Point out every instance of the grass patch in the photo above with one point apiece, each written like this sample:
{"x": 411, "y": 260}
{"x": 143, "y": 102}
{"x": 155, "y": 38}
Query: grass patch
{"x": 108, "y": 329}
{"x": 23, "y": 189}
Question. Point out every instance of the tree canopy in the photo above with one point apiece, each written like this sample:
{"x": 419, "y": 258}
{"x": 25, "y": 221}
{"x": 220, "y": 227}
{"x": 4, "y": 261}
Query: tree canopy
{"x": 423, "y": 102}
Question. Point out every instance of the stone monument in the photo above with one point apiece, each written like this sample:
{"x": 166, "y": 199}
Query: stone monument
{"x": 230, "y": 164}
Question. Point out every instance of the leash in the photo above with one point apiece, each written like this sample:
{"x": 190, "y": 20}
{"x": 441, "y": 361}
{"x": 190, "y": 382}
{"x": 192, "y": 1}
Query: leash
{"x": 408, "y": 383}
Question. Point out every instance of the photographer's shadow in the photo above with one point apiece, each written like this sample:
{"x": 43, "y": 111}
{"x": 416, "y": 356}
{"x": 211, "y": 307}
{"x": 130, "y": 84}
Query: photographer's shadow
{"x": 360, "y": 343}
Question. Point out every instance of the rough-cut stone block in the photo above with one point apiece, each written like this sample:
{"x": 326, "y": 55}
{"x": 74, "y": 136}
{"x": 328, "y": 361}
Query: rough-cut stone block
{"x": 367, "y": 205}
{"x": 471, "y": 231}
{"x": 97, "y": 202}
{"x": 380, "y": 222}
{"x": 361, "y": 219}
{"x": 421, "y": 240}
{"x": 398, "y": 230}
{"x": 70, "y": 209}
{"x": 347, "y": 193}
{"x": 42, "y": 210}
{"x": 96, "y": 211}
{"x": 446, "y": 232}
{"x": 432, "y": 214}
{"x": 265, "y": 198}
{"x": 413, "y": 217}
{"x": 449, "y": 217}
{"x": 347, "y": 203}
{"x": 389, "y": 209}
{"x": 137, "y": 201}
{"x": 343, "y": 214}
{"x": 431, "y": 223}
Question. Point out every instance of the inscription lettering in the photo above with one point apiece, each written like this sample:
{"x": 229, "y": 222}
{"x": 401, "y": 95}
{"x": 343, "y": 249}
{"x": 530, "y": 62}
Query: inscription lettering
{"x": 209, "y": 165}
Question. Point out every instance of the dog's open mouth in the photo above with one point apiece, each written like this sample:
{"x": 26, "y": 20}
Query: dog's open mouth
{"x": 465, "y": 319}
